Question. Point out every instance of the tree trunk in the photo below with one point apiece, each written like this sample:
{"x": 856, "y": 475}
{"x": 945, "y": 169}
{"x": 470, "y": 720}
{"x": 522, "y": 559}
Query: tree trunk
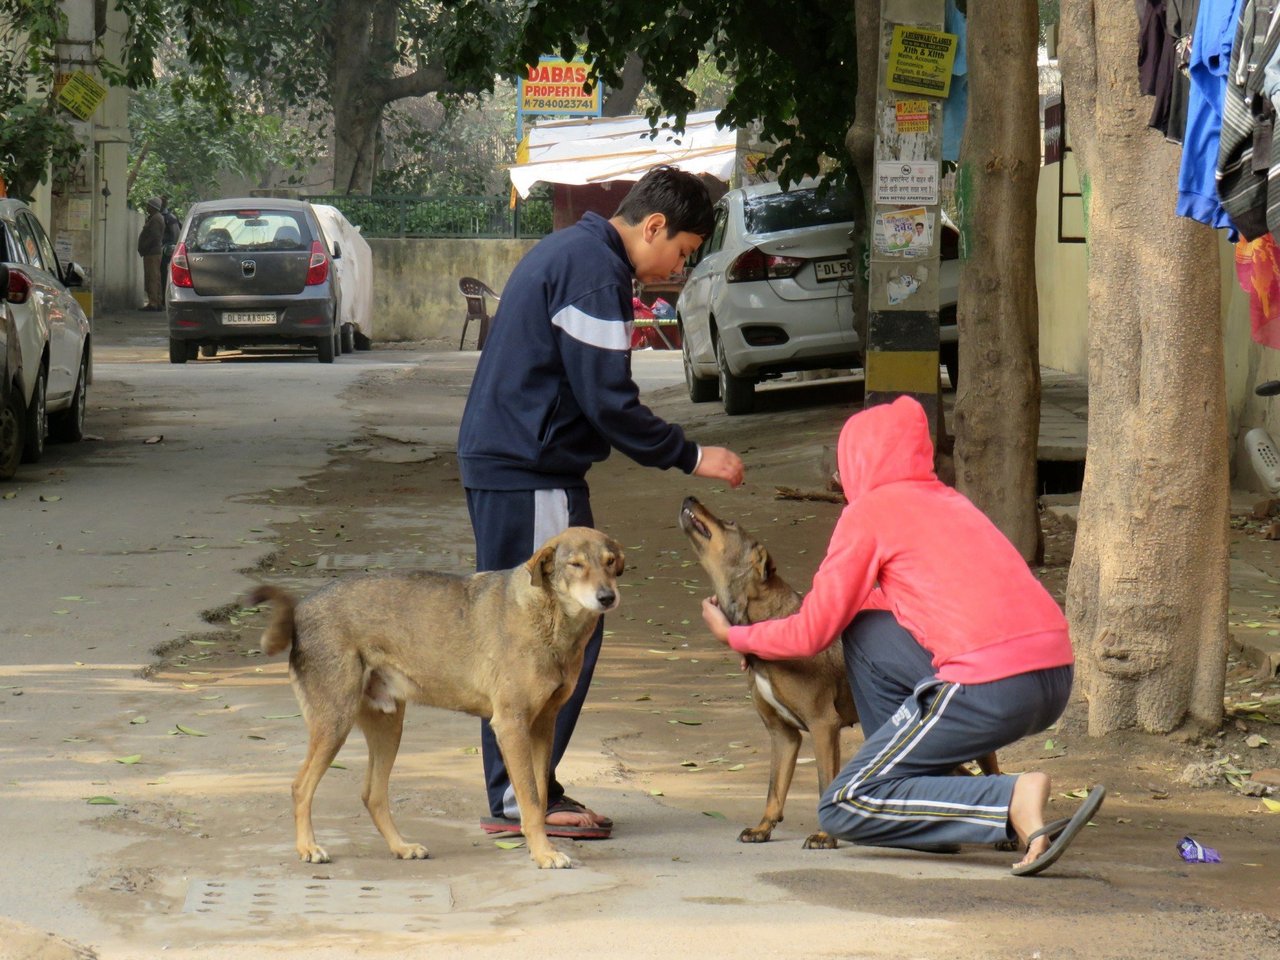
{"x": 622, "y": 98}
{"x": 997, "y": 415}
{"x": 1147, "y": 592}
{"x": 860, "y": 141}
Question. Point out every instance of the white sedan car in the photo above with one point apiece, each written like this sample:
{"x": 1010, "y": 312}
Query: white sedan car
{"x": 54, "y": 341}
{"x": 767, "y": 293}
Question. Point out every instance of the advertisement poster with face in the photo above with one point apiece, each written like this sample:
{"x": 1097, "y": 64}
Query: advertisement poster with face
{"x": 904, "y": 233}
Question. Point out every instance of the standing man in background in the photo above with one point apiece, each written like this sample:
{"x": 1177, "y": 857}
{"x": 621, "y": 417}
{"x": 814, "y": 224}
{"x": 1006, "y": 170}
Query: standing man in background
{"x": 150, "y": 246}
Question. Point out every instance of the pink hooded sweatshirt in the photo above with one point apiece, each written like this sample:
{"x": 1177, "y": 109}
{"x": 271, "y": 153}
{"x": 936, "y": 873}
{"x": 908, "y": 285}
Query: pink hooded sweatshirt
{"x": 909, "y": 544}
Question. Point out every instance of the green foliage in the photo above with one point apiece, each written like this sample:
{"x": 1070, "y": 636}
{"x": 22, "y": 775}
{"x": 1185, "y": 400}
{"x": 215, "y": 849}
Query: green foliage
{"x": 182, "y": 147}
{"x": 792, "y": 64}
{"x": 459, "y": 146}
{"x": 35, "y": 133}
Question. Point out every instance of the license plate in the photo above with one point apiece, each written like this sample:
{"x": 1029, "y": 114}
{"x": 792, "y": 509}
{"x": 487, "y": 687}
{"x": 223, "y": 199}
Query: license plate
{"x": 836, "y": 269}
{"x": 247, "y": 319}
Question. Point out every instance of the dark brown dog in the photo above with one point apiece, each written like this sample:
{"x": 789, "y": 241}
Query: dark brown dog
{"x": 506, "y": 645}
{"x": 810, "y": 694}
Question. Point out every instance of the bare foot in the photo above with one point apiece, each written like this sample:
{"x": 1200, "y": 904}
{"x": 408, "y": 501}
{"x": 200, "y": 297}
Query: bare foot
{"x": 567, "y": 818}
{"x": 1026, "y": 813}
{"x": 566, "y": 812}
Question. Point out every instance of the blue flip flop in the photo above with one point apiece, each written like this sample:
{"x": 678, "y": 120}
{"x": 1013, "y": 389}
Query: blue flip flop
{"x": 1062, "y": 833}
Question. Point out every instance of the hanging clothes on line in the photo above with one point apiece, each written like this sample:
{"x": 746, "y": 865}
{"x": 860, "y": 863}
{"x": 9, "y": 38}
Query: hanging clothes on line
{"x": 1246, "y": 151}
{"x": 1213, "y": 36}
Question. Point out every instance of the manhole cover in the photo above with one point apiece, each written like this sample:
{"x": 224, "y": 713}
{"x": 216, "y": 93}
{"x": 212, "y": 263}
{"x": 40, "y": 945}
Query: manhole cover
{"x": 244, "y": 898}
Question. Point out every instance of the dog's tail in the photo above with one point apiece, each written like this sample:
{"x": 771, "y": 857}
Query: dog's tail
{"x": 280, "y": 632}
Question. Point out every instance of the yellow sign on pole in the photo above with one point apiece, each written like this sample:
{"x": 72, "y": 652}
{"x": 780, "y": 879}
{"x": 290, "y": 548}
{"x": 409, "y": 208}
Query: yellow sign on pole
{"x": 81, "y": 95}
{"x": 920, "y": 61}
{"x": 557, "y": 86}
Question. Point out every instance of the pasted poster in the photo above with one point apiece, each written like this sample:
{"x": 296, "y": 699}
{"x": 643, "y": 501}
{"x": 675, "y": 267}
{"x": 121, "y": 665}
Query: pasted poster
{"x": 907, "y": 182}
{"x": 904, "y": 233}
{"x": 911, "y": 116}
{"x": 920, "y": 61}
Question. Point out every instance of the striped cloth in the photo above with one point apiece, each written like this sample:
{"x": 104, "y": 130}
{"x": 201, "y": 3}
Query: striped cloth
{"x": 1247, "y": 161}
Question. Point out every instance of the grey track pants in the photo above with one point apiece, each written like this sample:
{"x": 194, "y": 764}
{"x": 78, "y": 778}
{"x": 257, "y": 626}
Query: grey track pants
{"x": 898, "y": 790}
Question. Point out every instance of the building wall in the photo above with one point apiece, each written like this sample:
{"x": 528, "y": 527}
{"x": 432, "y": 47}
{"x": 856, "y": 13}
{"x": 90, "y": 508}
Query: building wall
{"x": 416, "y": 283}
{"x": 1062, "y": 272}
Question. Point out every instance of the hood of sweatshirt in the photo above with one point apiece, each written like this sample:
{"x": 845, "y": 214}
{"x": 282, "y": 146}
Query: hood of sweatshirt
{"x": 884, "y": 444}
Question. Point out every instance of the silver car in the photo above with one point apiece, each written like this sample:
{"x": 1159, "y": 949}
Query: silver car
{"x": 252, "y": 271}
{"x": 54, "y": 335}
{"x": 767, "y": 293}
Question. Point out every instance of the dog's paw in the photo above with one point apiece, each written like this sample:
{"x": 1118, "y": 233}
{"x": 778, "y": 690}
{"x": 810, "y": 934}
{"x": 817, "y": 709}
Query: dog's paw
{"x": 553, "y": 861}
{"x": 412, "y": 851}
{"x": 820, "y": 841}
{"x": 755, "y": 835}
{"x": 313, "y": 854}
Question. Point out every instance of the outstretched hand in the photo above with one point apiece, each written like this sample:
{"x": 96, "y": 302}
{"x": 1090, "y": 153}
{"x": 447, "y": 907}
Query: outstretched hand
{"x": 715, "y": 619}
{"x": 721, "y": 463}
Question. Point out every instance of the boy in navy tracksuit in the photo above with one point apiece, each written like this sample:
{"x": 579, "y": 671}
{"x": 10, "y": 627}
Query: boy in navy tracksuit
{"x": 553, "y": 394}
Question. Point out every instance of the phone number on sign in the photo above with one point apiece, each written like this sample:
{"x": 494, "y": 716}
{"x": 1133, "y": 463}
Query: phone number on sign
{"x": 540, "y": 103}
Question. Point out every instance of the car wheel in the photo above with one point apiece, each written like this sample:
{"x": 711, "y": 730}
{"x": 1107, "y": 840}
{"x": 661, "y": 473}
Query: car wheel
{"x": 209, "y": 350}
{"x": 10, "y": 433}
{"x": 67, "y": 426}
{"x": 35, "y": 424}
{"x": 324, "y": 349}
{"x": 362, "y": 342}
{"x": 348, "y": 338}
{"x": 177, "y": 351}
{"x": 738, "y": 394}
{"x": 950, "y": 357}
{"x": 701, "y": 390}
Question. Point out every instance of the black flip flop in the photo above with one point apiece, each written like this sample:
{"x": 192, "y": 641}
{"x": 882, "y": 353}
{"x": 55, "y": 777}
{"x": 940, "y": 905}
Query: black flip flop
{"x": 511, "y": 826}
{"x": 1065, "y": 834}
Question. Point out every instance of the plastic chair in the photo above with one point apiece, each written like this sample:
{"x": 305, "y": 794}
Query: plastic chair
{"x": 287, "y": 238}
{"x": 475, "y": 292}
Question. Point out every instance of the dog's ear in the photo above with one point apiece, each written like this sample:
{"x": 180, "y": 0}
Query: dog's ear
{"x": 541, "y": 564}
{"x": 619, "y": 560}
{"x": 761, "y": 562}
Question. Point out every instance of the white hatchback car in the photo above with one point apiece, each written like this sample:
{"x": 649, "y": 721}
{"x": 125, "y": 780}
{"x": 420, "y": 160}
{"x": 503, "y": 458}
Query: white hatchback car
{"x": 766, "y": 294}
{"x": 54, "y": 336}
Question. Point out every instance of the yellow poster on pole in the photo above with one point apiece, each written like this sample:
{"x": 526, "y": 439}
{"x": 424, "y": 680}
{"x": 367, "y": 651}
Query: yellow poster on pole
{"x": 81, "y": 94}
{"x": 920, "y": 61}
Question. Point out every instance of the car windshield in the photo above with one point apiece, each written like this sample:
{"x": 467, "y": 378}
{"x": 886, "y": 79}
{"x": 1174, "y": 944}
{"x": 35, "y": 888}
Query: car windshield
{"x": 796, "y": 208}
{"x": 242, "y": 231}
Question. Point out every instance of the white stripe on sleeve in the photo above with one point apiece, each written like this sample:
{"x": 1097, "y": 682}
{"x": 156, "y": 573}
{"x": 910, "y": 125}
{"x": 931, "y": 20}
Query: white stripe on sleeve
{"x": 606, "y": 334}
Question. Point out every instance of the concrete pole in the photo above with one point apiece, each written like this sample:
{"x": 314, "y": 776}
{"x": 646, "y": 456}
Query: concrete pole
{"x": 914, "y": 79}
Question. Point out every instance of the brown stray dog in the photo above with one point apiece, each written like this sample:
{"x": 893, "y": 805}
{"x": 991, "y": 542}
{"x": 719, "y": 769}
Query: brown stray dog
{"x": 507, "y": 645}
{"x": 808, "y": 694}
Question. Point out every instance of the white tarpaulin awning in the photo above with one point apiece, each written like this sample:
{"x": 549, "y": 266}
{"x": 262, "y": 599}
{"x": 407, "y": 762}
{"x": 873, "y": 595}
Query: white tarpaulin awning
{"x": 599, "y": 149}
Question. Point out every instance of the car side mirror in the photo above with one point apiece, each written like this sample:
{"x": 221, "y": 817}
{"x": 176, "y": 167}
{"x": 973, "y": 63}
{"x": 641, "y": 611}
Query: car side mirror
{"x": 337, "y": 252}
{"x": 73, "y": 275}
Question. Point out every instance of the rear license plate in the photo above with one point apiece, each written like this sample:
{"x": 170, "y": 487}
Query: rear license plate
{"x": 836, "y": 269}
{"x": 247, "y": 319}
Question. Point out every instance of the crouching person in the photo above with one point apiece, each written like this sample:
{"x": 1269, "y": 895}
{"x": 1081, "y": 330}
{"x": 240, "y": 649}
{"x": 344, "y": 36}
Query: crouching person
{"x": 952, "y": 647}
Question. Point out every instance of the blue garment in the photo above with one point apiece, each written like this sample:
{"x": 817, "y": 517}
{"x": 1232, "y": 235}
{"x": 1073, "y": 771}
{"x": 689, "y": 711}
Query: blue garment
{"x": 553, "y": 392}
{"x": 509, "y": 527}
{"x": 1213, "y": 36}
{"x": 956, "y": 108}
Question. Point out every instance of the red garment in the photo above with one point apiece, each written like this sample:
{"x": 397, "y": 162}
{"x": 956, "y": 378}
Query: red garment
{"x": 1259, "y": 275}
{"x": 909, "y": 544}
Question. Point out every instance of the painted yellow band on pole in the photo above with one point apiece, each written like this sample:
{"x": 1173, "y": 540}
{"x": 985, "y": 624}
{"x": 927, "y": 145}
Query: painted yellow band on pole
{"x": 902, "y": 371}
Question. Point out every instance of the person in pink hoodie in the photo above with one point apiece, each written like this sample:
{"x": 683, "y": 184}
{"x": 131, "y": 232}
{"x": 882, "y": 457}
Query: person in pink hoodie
{"x": 953, "y": 649}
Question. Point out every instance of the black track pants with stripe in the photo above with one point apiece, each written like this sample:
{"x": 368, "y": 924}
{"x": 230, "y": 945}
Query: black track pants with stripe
{"x": 899, "y": 790}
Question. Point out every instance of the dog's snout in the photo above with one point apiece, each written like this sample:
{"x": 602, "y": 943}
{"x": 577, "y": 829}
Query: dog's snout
{"x": 606, "y": 598}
